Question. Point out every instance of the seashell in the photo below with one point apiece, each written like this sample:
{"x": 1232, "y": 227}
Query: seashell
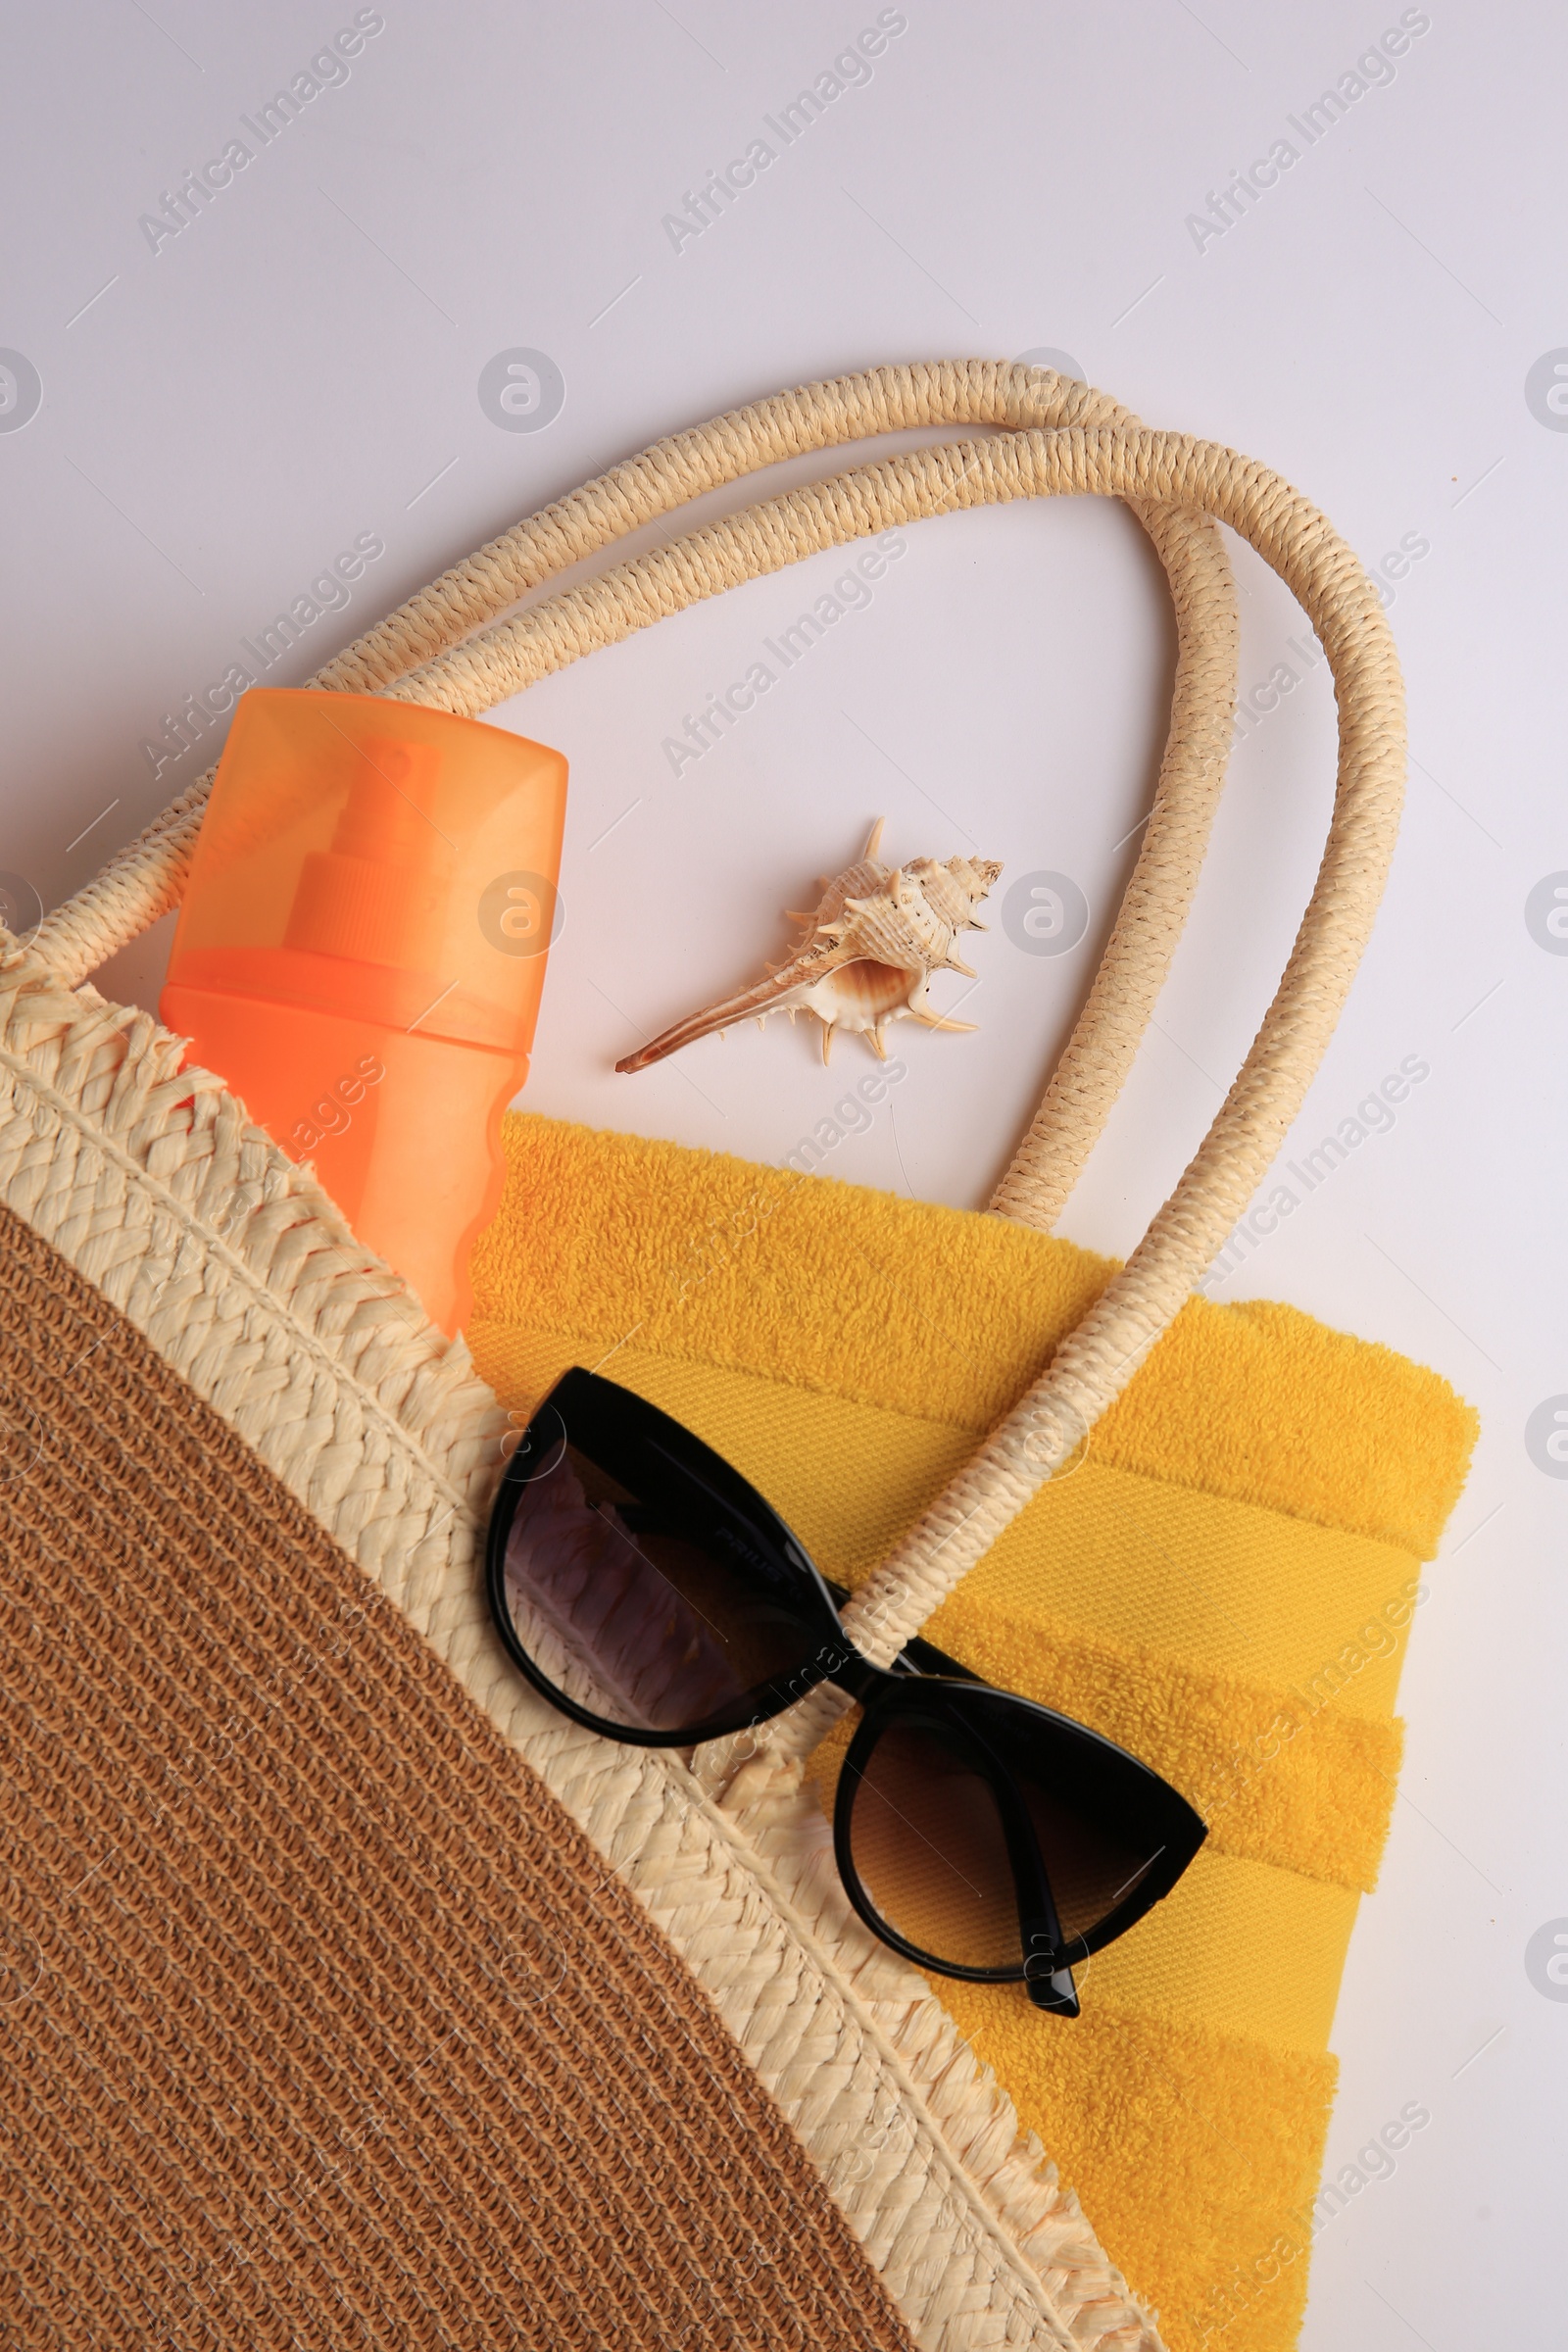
{"x": 866, "y": 957}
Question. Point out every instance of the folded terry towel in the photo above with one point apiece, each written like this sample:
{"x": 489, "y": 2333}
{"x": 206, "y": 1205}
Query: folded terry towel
{"x": 1224, "y": 1585}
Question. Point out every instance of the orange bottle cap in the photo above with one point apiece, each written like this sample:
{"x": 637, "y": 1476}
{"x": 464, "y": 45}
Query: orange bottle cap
{"x": 366, "y": 856}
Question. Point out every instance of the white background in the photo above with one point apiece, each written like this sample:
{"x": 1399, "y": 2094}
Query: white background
{"x": 300, "y": 365}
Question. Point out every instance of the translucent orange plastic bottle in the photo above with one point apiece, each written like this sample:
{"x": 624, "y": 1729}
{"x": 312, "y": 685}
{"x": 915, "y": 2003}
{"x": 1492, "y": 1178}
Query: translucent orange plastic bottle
{"x": 360, "y": 954}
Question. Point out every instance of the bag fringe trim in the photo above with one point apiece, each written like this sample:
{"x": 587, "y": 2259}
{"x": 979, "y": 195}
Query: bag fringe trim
{"x": 238, "y": 1270}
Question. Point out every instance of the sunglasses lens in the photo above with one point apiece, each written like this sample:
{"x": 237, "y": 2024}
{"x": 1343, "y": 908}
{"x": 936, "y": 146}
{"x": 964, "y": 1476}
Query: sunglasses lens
{"x": 1090, "y": 1868}
{"x": 641, "y": 1590}
{"x": 930, "y": 1851}
{"x": 928, "y": 1839}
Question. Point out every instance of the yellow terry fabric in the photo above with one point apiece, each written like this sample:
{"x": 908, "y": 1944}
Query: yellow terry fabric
{"x": 1224, "y": 1585}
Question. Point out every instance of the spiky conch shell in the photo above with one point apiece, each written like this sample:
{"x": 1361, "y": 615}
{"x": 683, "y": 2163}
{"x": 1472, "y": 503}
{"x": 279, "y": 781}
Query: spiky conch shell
{"x": 867, "y": 957}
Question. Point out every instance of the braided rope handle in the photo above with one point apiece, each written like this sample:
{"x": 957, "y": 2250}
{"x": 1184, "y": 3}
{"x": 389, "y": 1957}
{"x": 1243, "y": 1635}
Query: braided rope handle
{"x": 400, "y": 653}
{"x": 1058, "y": 443}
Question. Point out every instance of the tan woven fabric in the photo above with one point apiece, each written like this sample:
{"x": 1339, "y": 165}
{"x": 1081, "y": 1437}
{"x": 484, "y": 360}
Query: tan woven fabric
{"x": 242, "y": 1276}
{"x": 323, "y": 2023}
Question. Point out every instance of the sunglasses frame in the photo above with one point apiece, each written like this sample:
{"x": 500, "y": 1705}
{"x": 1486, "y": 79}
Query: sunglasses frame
{"x": 922, "y": 1689}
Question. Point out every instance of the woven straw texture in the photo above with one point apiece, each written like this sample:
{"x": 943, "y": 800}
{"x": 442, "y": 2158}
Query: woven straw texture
{"x": 323, "y": 2021}
{"x": 151, "y": 1182}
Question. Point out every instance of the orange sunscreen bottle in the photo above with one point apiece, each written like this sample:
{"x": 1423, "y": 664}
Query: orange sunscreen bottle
{"x": 360, "y": 954}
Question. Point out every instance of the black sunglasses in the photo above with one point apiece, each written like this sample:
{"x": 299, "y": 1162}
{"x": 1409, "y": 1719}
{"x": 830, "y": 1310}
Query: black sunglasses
{"x": 650, "y": 1593}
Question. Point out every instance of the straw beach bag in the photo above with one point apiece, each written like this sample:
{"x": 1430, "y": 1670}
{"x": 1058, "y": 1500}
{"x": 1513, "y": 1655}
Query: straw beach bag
{"x": 356, "y": 1991}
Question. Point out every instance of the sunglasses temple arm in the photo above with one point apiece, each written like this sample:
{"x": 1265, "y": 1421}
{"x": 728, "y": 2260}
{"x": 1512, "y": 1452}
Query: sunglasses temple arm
{"x": 1048, "y": 1984}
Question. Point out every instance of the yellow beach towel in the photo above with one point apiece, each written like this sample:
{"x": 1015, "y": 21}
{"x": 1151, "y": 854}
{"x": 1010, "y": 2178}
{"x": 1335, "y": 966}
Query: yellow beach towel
{"x": 1224, "y": 1585}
